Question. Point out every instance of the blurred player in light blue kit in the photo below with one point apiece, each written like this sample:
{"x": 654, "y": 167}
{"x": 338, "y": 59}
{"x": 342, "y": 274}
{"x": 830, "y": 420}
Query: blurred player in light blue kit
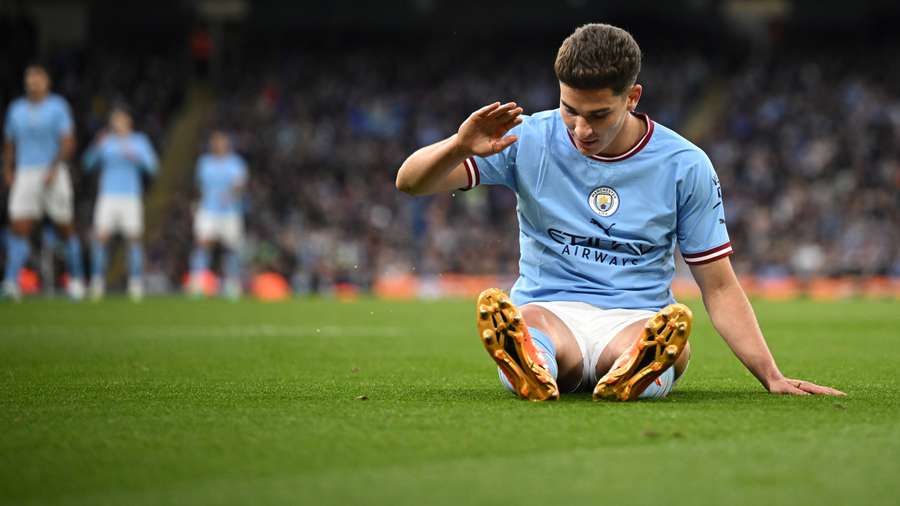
{"x": 38, "y": 141}
{"x": 221, "y": 177}
{"x": 121, "y": 155}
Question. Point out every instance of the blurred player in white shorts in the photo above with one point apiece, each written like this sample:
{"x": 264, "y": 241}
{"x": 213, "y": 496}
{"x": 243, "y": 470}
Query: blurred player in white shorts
{"x": 38, "y": 141}
{"x": 221, "y": 177}
{"x": 121, "y": 155}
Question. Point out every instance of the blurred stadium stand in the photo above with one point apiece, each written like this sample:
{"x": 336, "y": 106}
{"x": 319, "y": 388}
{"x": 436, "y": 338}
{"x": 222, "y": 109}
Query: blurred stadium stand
{"x": 796, "y": 102}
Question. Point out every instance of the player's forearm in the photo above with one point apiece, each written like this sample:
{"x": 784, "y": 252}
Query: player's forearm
{"x": 65, "y": 152}
{"x": 9, "y": 153}
{"x": 734, "y": 319}
{"x": 425, "y": 170}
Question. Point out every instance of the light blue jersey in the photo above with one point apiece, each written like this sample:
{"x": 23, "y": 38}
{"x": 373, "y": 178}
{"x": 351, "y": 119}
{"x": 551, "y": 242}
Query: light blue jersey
{"x": 603, "y": 230}
{"x": 121, "y": 160}
{"x": 217, "y": 177}
{"x": 36, "y": 129}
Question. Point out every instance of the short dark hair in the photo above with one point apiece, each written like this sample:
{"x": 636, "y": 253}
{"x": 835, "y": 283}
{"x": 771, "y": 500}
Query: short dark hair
{"x": 598, "y": 56}
{"x": 37, "y": 66}
{"x": 121, "y": 106}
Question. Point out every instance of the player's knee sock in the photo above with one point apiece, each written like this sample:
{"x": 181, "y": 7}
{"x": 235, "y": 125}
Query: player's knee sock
{"x": 136, "y": 260}
{"x": 73, "y": 258}
{"x": 199, "y": 261}
{"x": 232, "y": 266}
{"x": 661, "y": 387}
{"x": 17, "y": 250}
{"x": 98, "y": 260}
{"x": 545, "y": 348}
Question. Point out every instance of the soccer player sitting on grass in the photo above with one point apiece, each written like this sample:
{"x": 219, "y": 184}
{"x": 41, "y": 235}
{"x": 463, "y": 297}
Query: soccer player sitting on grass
{"x": 604, "y": 195}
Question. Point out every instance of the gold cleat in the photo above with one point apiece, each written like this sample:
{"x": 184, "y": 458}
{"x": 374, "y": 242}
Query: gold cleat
{"x": 663, "y": 339}
{"x": 507, "y": 341}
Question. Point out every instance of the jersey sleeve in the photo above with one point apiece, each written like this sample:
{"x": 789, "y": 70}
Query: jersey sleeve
{"x": 499, "y": 169}
{"x": 149, "y": 161}
{"x": 9, "y": 132}
{"x": 65, "y": 125}
{"x": 702, "y": 234}
{"x": 241, "y": 171}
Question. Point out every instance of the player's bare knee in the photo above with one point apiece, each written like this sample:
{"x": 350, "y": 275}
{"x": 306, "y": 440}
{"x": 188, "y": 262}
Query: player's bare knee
{"x": 22, "y": 227}
{"x": 535, "y": 316}
{"x": 66, "y": 229}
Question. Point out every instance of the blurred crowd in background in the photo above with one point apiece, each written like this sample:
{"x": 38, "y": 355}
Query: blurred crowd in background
{"x": 806, "y": 143}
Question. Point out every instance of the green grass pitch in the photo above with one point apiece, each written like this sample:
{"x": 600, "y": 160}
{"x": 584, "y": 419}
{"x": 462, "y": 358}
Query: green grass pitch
{"x": 176, "y": 401}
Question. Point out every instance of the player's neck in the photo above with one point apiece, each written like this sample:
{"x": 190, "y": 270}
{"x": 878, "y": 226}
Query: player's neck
{"x": 632, "y": 132}
{"x": 37, "y": 98}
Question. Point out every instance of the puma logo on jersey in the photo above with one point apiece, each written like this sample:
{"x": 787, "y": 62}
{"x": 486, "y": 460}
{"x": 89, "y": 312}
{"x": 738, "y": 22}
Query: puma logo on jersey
{"x": 605, "y": 229}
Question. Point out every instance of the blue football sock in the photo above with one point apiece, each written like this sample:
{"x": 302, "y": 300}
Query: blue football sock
{"x": 232, "y": 266}
{"x": 545, "y": 347}
{"x": 661, "y": 387}
{"x": 199, "y": 261}
{"x": 73, "y": 258}
{"x": 98, "y": 260}
{"x": 136, "y": 260}
{"x": 17, "y": 250}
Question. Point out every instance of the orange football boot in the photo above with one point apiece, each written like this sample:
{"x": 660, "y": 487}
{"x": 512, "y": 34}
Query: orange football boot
{"x": 663, "y": 339}
{"x": 508, "y": 342}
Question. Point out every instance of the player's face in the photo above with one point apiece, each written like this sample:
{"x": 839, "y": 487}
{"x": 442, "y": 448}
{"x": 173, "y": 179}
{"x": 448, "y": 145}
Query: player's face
{"x": 219, "y": 144}
{"x": 120, "y": 122}
{"x": 595, "y": 117}
{"x": 37, "y": 82}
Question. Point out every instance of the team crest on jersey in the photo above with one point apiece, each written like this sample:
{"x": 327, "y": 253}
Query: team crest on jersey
{"x": 604, "y": 201}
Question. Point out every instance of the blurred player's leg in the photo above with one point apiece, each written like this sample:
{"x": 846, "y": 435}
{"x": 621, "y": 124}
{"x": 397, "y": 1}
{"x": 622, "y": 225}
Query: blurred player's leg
{"x": 135, "y": 270}
{"x": 17, "y": 250}
{"x": 132, "y": 225}
{"x": 527, "y": 361}
{"x": 204, "y": 234}
{"x": 650, "y": 358}
{"x": 58, "y": 206}
{"x": 98, "y": 267}
{"x": 199, "y": 267}
{"x": 48, "y": 258}
{"x": 104, "y": 226}
{"x": 24, "y": 210}
{"x": 232, "y": 233}
{"x": 232, "y": 271}
{"x": 75, "y": 265}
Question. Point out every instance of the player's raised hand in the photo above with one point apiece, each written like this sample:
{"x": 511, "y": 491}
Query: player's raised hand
{"x": 791, "y": 386}
{"x": 483, "y": 133}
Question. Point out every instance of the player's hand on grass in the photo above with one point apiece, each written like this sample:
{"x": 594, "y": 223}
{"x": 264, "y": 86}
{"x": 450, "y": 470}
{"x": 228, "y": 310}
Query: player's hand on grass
{"x": 790, "y": 386}
{"x": 483, "y": 133}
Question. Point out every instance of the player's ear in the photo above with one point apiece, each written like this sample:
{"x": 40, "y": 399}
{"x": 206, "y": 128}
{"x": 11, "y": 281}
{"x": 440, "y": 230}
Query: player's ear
{"x": 633, "y": 97}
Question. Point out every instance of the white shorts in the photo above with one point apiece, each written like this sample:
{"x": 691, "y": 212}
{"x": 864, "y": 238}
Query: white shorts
{"x": 227, "y": 229}
{"x": 119, "y": 214}
{"x": 593, "y": 329}
{"x": 30, "y": 198}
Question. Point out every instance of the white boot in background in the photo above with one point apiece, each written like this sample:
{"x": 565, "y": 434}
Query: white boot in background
{"x": 11, "y": 291}
{"x": 98, "y": 288}
{"x": 136, "y": 289}
{"x": 233, "y": 289}
{"x": 76, "y": 289}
